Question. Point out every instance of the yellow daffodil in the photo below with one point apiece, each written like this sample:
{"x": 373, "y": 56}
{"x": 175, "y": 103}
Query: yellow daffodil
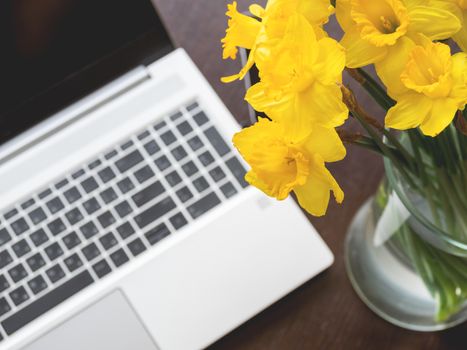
{"x": 300, "y": 80}
{"x": 269, "y": 25}
{"x": 459, "y": 9}
{"x": 375, "y": 28}
{"x": 280, "y": 163}
{"x": 434, "y": 88}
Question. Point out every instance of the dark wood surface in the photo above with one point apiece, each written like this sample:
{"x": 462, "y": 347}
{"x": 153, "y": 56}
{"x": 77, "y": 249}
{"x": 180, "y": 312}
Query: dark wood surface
{"x": 325, "y": 313}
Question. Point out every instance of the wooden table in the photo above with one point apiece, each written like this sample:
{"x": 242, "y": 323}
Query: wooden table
{"x": 325, "y": 313}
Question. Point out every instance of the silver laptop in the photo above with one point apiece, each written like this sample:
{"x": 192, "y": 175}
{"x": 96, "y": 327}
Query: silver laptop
{"x": 126, "y": 222}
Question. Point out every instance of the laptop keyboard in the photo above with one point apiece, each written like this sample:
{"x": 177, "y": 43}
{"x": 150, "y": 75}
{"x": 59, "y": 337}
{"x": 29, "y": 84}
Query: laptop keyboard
{"x": 99, "y": 217}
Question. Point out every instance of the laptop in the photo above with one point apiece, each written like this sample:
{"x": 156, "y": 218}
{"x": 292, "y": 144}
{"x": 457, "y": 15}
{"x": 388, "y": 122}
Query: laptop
{"x": 125, "y": 219}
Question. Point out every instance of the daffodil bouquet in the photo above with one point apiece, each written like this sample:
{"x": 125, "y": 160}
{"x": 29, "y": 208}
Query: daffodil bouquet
{"x": 418, "y": 50}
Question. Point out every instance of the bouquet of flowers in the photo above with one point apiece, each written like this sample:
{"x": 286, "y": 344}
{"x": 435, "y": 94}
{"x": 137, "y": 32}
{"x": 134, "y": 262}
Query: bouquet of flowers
{"x": 418, "y": 50}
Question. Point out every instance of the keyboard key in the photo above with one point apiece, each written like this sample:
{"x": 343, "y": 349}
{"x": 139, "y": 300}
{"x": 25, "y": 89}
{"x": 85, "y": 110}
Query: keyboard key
{"x": 184, "y": 194}
{"x": 201, "y": 184}
{"x": 178, "y": 221}
{"x": 217, "y": 174}
{"x": 4, "y": 236}
{"x": 37, "y": 284}
{"x": 200, "y": 118}
{"x": 19, "y": 296}
{"x": 192, "y": 106}
{"x": 73, "y": 262}
{"x": 136, "y": 247}
{"x": 55, "y": 205}
{"x": 61, "y": 184}
{"x": 190, "y": 168}
{"x": 37, "y": 215}
{"x": 176, "y": 116}
{"x": 125, "y": 185}
{"x": 162, "y": 163}
{"x": 179, "y": 153}
{"x": 39, "y": 237}
{"x": 56, "y": 227}
{"x": 21, "y": 248}
{"x": 4, "y": 285}
{"x": 119, "y": 257}
{"x": 54, "y": 251}
{"x": 55, "y": 273}
{"x": 106, "y": 174}
{"x": 72, "y": 195}
{"x": 4, "y": 306}
{"x": 206, "y": 158}
{"x": 106, "y": 219}
{"x": 89, "y": 185}
{"x": 110, "y": 155}
{"x": 45, "y": 194}
{"x": 152, "y": 147}
{"x": 217, "y": 141}
{"x": 173, "y": 178}
{"x": 155, "y": 212}
{"x": 228, "y": 190}
{"x": 88, "y": 230}
{"x": 101, "y": 268}
{"x": 17, "y": 273}
{"x": 184, "y": 128}
{"x": 195, "y": 143}
{"x": 94, "y": 164}
{"x": 91, "y": 205}
{"x": 78, "y": 174}
{"x": 19, "y": 226}
{"x": 71, "y": 240}
{"x": 46, "y": 303}
{"x": 123, "y": 209}
{"x": 109, "y": 195}
{"x": 143, "y": 135}
{"x": 129, "y": 161}
{"x": 157, "y": 234}
{"x": 144, "y": 174}
{"x": 168, "y": 137}
{"x": 5, "y": 259}
{"x": 91, "y": 251}
{"x": 29, "y": 203}
{"x": 74, "y": 216}
{"x": 127, "y": 145}
{"x": 148, "y": 193}
{"x": 108, "y": 241}
{"x": 160, "y": 125}
{"x": 203, "y": 205}
{"x": 35, "y": 262}
{"x": 125, "y": 230}
{"x": 237, "y": 170}
{"x": 11, "y": 214}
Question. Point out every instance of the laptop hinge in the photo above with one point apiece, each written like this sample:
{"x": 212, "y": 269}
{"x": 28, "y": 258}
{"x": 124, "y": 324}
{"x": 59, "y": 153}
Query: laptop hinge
{"x": 73, "y": 113}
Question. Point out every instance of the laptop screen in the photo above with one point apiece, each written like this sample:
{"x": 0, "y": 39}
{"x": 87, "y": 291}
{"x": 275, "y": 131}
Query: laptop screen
{"x": 54, "y": 52}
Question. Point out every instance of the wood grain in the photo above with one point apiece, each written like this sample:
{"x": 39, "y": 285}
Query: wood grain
{"x": 325, "y": 313}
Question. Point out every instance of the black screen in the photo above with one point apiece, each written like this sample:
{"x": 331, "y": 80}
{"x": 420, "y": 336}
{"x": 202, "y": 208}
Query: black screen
{"x": 53, "y": 52}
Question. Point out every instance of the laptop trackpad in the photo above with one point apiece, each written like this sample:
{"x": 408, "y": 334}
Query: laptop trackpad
{"x": 110, "y": 323}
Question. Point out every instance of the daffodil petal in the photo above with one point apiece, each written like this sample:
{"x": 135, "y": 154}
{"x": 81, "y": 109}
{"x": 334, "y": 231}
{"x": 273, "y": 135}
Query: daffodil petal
{"x": 314, "y": 195}
{"x": 461, "y": 36}
{"x": 409, "y": 112}
{"x": 327, "y": 143}
{"x": 323, "y": 103}
{"x": 331, "y": 61}
{"x": 390, "y": 68}
{"x": 360, "y": 52}
{"x": 436, "y": 23}
{"x": 343, "y": 8}
{"x": 442, "y": 113}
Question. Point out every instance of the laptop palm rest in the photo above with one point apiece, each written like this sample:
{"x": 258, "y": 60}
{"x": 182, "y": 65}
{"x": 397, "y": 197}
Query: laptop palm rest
{"x": 110, "y": 323}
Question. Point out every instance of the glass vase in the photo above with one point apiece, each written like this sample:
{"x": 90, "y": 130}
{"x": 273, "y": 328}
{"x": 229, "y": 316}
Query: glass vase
{"x": 417, "y": 277}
